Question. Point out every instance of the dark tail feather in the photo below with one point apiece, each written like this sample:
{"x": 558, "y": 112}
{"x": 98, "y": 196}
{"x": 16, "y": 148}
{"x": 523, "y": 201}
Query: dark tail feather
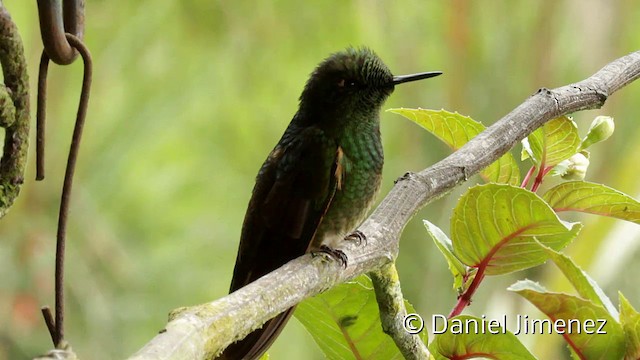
{"x": 257, "y": 342}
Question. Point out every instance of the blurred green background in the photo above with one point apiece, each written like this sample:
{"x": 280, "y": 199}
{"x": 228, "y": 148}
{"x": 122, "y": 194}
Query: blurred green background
{"x": 190, "y": 96}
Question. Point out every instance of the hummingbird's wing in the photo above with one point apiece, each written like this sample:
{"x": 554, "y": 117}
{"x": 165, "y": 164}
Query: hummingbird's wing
{"x": 292, "y": 193}
{"x": 293, "y": 190}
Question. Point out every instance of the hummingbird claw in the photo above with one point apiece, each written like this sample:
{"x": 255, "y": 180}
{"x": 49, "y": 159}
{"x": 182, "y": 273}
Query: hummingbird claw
{"x": 408, "y": 175}
{"x": 335, "y": 254}
{"x": 357, "y": 236}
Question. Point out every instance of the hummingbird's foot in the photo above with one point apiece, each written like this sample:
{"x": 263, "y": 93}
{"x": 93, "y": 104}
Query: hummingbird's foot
{"x": 408, "y": 175}
{"x": 357, "y": 236}
{"x": 335, "y": 254}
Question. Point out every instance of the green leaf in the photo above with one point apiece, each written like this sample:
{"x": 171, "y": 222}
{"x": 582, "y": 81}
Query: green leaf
{"x": 578, "y": 320}
{"x": 586, "y": 287}
{"x": 466, "y": 337}
{"x": 593, "y": 198}
{"x": 496, "y": 228}
{"x": 630, "y": 320}
{"x": 443, "y": 243}
{"x": 555, "y": 141}
{"x": 455, "y": 130}
{"x": 345, "y": 322}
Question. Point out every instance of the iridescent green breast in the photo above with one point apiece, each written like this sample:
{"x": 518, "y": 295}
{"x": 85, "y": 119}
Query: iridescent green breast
{"x": 363, "y": 160}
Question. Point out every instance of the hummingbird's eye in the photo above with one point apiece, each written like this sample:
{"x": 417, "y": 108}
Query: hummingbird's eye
{"x": 347, "y": 83}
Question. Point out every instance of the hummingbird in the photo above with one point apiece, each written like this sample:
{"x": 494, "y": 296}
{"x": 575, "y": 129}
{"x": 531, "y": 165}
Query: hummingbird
{"x": 320, "y": 179}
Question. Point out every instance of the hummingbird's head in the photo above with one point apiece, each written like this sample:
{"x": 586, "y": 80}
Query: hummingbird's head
{"x": 352, "y": 83}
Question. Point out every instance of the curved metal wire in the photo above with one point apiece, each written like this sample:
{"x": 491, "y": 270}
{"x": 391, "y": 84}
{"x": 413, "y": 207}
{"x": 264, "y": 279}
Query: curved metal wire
{"x": 56, "y": 327}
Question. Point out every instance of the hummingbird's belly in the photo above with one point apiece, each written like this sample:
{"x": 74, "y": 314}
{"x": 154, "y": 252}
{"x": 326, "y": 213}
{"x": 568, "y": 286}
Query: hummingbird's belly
{"x": 349, "y": 206}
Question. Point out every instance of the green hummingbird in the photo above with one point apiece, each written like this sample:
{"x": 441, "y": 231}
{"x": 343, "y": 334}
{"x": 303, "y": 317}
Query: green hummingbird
{"x": 321, "y": 178}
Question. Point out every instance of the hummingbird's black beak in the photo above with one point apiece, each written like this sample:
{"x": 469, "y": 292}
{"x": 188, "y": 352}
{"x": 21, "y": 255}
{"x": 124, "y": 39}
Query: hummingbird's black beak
{"x": 414, "y": 77}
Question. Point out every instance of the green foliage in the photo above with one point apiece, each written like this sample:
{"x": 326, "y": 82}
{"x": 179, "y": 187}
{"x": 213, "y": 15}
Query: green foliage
{"x": 345, "y": 322}
{"x": 456, "y": 130}
{"x": 465, "y": 338}
{"x": 581, "y": 281}
{"x": 630, "y": 320}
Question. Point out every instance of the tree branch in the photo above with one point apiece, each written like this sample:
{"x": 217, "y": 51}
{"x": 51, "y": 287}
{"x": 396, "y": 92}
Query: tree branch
{"x": 204, "y": 330}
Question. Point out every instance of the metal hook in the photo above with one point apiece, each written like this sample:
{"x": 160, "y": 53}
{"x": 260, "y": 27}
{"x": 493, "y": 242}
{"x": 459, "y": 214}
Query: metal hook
{"x": 55, "y": 21}
{"x": 56, "y": 326}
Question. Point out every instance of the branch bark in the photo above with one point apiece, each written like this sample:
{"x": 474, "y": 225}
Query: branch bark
{"x": 204, "y": 330}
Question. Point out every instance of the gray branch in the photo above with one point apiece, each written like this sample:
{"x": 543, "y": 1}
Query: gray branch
{"x": 204, "y": 330}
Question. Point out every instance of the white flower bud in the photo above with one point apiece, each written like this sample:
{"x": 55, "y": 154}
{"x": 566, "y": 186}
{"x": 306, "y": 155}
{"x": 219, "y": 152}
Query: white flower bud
{"x": 574, "y": 168}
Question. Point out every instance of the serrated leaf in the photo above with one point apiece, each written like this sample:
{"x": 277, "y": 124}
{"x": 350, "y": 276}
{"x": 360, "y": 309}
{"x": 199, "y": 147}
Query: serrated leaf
{"x": 586, "y": 287}
{"x": 630, "y": 320}
{"x": 464, "y": 342}
{"x": 568, "y": 314}
{"x": 455, "y": 130}
{"x": 555, "y": 141}
{"x": 443, "y": 243}
{"x": 495, "y": 228}
{"x": 345, "y": 322}
{"x": 593, "y": 198}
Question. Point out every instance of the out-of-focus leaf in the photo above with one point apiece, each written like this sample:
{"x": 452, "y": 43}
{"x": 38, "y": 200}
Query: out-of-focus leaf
{"x": 456, "y": 130}
{"x": 586, "y": 287}
{"x": 593, "y": 198}
{"x": 345, "y": 322}
{"x": 468, "y": 337}
{"x": 588, "y": 328}
{"x": 497, "y": 228}
{"x": 630, "y": 320}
